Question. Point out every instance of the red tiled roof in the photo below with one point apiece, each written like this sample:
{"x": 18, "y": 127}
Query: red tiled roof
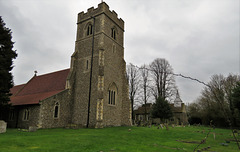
{"x": 39, "y": 88}
{"x": 17, "y": 88}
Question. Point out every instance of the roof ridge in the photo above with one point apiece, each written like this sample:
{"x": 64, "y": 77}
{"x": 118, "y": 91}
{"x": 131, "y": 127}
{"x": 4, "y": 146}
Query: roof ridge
{"x": 19, "y": 85}
{"x": 52, "y": 72}
{"x": 41, "y": 92}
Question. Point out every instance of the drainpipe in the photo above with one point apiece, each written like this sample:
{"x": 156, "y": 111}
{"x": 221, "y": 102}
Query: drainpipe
{"x": 90, "y": 83}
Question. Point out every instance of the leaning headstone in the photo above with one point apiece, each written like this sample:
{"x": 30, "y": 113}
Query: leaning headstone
{"x": 214, "y": 136}
{"x": 166, "y": 125}
{"x": 3, "y": 126}
{"x": 32, "y": 129}
{"x": 161, "y": 126}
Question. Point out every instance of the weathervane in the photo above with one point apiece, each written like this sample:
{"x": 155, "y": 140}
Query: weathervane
{"x": 35, "y": 73}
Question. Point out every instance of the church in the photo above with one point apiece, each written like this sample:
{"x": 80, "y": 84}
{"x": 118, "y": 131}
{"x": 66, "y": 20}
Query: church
{"x": 178, "y": 109}
{"x": 93, "y": 92}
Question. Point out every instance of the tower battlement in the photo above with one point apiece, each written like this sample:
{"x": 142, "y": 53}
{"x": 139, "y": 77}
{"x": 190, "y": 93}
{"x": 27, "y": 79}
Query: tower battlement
{"x": 102, "y": 8}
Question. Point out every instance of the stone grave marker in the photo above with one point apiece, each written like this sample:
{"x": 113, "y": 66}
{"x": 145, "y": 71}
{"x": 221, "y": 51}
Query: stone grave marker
{"x": 3, "y": 126}
{"x": 161, "y": 126}
{"x": 32, "y": 129}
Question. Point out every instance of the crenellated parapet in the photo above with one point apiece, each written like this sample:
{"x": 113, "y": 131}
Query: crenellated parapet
{"x": 102, "y": 8}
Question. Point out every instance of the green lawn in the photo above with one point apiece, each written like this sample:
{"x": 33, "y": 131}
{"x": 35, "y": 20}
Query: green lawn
{"x": 116, "y": 139}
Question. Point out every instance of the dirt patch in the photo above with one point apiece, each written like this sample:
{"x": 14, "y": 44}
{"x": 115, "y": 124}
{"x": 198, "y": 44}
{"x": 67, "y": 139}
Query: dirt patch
{"x": 232, "y": 140}
{"x": 167, "y": 147}
{"x": 190, "y": 142}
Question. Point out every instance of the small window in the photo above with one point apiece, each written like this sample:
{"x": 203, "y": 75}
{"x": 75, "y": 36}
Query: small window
{"x": 113, "y": 34}
{"x": 56, "y": 110}
{"x": 89, "y": 29}
{"x": 26, "y": 115}
{"x": 112, "y": 94}
{"x": 87, "y": 63}
{"x": 114, "y": 98}
{"x": 111, "y": 97}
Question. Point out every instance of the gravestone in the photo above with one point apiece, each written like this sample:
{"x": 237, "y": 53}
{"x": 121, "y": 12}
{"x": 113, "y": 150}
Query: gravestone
{"x": 161, "y": 126}
{"x": 3, "y": 126}
{"x": 32, "y": 129}
{"x": 166, "y": 125}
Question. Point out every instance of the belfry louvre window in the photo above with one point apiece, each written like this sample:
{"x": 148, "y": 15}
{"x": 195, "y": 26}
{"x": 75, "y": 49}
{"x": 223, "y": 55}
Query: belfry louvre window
{"x": 89, "y": 29}
{"x": 26, "y": 115}
{"x": 113, "y": 34}
{"x": 111, "y": 97}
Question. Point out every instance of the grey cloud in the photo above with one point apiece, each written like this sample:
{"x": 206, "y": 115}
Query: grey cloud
{"x": 198, "y": 38}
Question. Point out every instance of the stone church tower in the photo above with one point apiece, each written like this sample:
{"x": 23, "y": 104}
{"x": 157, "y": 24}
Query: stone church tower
{"x": 97, "y": 78}
{"x": 92, "y": 93}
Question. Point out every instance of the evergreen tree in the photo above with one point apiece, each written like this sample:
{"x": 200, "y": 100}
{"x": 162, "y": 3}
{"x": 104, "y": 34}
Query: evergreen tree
{"x": 7, "y": 54}
{"x": 236, "y": 96}
{"x": 236, "y": 104}
{"x": 161, "y": 109}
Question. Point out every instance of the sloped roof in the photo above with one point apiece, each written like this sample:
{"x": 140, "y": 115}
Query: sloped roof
{"x": 17, "y": 88}
{"x": 178, "y": 99}
{"x": 39, "y": 88}
{"x": 141, "y": 110}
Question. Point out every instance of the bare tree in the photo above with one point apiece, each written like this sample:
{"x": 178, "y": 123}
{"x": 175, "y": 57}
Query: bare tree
{"x": 216, "y": 102}
{"x": 219, "y": 96}
{"x": 144, "y": 86}
{"x": 133, "y": 80}
{"x": 164, "y": 82}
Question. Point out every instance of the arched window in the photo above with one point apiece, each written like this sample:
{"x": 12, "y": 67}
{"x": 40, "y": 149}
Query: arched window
{"x": 111, "y": 97}
{"x": 112, "y": 94}
{"x": 113, "y": 33}
{"x": 56, "y": 110}
{"x": 26, "y": 115}
{"x": 89, "y": 29}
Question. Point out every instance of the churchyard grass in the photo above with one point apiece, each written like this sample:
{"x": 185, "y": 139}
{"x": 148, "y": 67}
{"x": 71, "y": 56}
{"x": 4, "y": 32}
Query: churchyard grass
{"x": 117, "y": 139}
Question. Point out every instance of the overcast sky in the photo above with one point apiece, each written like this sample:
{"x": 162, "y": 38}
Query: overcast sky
{"x": 199, "y": 38}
